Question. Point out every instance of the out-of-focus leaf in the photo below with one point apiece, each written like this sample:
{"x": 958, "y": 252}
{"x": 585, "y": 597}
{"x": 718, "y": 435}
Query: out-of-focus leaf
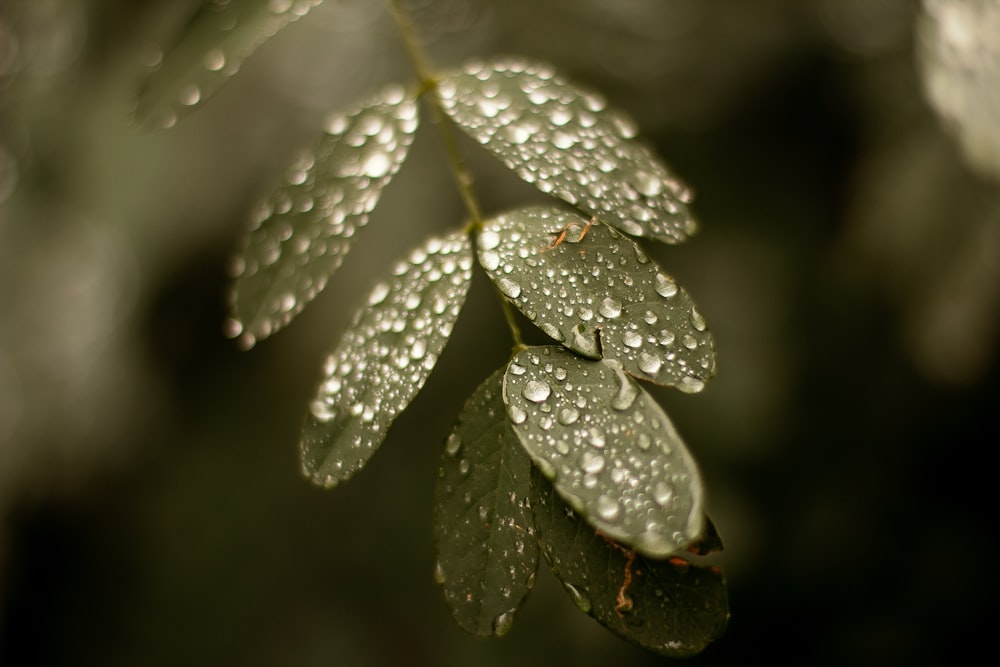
{"x": 384, "y": 359}
{"x": 959, "y": 51}
{"x": 610, "y": 450}
{"x": 597, "y": 293}
{"x": 210, "y": 50}
{"x": 566, "y": 142}
{"x": 671, "y": 606}
{"x": 303, "y": 230}
{"x": 486, "y": 542}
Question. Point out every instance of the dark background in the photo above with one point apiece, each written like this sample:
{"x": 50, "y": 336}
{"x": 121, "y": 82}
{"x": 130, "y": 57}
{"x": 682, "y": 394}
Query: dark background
{"x": 848, "y": 265}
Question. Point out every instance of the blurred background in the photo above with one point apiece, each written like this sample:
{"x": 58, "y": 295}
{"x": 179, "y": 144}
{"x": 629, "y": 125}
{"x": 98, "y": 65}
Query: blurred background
{"x": 845, "y": 159}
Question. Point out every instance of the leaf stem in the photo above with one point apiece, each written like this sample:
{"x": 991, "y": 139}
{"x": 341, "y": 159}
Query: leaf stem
{"x": 429, "y": 85}
{"x": 463, "y": 177}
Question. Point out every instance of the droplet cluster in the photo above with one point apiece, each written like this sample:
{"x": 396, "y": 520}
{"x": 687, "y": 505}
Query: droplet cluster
{"x": 385, "y": 357}
{"x": 610, "y": 450}
{"x": 219, "y": 38}
{"x": 566, "y": 142}
{"x": 301, "y": 232}
{"x": 486, "y": 540}
{"x": 598, "y": 294}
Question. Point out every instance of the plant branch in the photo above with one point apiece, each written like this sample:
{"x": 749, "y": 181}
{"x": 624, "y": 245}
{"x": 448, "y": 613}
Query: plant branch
{"x": 429, "y": 84}
{"x": 463, "y": 177}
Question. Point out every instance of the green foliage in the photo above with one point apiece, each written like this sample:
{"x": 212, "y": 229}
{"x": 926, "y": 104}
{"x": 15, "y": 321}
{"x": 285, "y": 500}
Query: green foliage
{"x": 562, "y": 451}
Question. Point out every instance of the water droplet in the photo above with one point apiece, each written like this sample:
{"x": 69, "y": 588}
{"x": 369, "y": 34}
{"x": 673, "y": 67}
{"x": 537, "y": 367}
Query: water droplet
{"x": 665, "y": 286}
{"x": 663, "y": 494}
{"x": 463, "y": 467}
{"x": 536, "y": 391}
{"x": 644, "y": 441}
{"x": 509, "y": 288}
{"x": 377, "y": 165}
{"x": 215, "y": 60}
{"x": 323, "y": 411}
{"x": 690, "y": 384}
{"x": 489, "y": 259}
{"x": 568, "y": 416}
{"x": 489, "y": 240}
{"x": 647, "y": 183}
{"x": 632, "y": 339}
{"x": 697, "y": 320}
{"x": 190, "y": 95}
{"x": 579, "y": 598}
{"x": 503, "y": 622}
{"x": 610, "y": 307}
{"x": 516, "y": 414}
{"x": 453, "y": 444}
{"x": 690, "y": 342}
{"x": 378, "y": 294}
{"x": 650, "y": 363}
{"x": 628, "y": 391}
{"x": 608, "y": 508}
{"x": 650, "y": 317}
{"x": 592, "y": 462}
{"x": 439, "y": 577}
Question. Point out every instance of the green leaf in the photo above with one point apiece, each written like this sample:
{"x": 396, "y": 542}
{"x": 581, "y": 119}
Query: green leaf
{"x": 609, "y": 448}
{"x": 210, "y": 50}
{"x": 565, "y": 141}
{"x": 384, "y": 358}
{"x": 304, "y": 229}
{"x": 487, "y": 548}
{"x": 672, "y": 606}
{"x": 598, "y": 295}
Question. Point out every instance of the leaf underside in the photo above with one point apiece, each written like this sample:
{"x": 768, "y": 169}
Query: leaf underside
{"x": 385, "y": 357}
{"x": 304, "y": 229}
{"x": 672, "y": 607}
{"x": 209, "y": 51}
{"x": 486, "y": 539}
{"x": 565, "y": 141}
{"x": 610, "y": 450}
{"x": 596, "y": 292}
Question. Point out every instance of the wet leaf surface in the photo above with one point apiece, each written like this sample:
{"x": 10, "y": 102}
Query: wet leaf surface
{"x": 385, "y": 357}
{"x": 304, "y": 229}
{"x": 671, "y": 606}
{"x": 486, "y": 539}
{"x": 596, "y": 292}
{"x": 567, "y": 142}
{"x": 610, "y": 450}
{"x": 208, "y": 52}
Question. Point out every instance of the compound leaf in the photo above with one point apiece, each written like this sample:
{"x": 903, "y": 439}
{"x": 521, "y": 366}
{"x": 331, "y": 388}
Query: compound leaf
{"x": 303, "y": 230}
{"x": 595, "y": 291}
{"x": 672, "y": 606}
{"x": 384, "y": 359}
{"x": 209, "y": 51}
{"x": 610, "y": 450}
{"x": 565, "y": 141}
{"x": 485, "y": 531}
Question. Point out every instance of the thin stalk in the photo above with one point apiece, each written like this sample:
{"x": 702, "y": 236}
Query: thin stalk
{"x": 428, "y": 83}
{"x": 463, "y": 177}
